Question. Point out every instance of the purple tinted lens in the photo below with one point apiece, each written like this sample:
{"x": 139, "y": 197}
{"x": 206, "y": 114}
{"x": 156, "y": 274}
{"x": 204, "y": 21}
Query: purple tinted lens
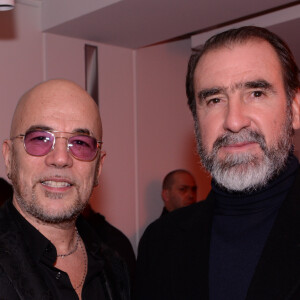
{"x": 38, "y": 143}
{"x": 83, "y": 147}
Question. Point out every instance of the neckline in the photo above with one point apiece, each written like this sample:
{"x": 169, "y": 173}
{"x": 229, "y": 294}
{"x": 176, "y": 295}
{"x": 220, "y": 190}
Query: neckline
{"x": 265, "y": 199}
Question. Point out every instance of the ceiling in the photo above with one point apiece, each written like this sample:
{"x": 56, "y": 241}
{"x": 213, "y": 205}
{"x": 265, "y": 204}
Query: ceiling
{"x": 140, "y": 23}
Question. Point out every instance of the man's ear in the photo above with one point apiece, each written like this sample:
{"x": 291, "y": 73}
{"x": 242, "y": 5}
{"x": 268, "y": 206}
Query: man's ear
{"x": 296, "y": 110}
{"x": 101, "y": 160}
{"x": 165, "y": 195}
{"x": 7, "y": 155}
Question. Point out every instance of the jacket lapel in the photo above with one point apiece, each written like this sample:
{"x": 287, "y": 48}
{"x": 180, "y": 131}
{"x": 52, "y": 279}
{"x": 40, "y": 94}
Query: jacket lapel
{"x": 191, "y": 257}
{"x": 277, "y": 274}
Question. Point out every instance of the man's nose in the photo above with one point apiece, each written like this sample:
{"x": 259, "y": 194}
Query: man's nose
{"x": 59, "y": 157}
{"x": 236, "y": 115}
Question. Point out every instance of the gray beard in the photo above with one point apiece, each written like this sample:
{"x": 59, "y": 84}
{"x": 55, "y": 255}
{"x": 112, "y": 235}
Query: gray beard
{"x": 41, "y": 214}
{"x": 244, "y": 172}
{"x": 27, "y": 200}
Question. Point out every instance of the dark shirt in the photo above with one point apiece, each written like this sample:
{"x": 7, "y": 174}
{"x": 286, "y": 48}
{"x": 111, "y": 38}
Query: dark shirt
{"x": 44, "y": 253}
{"x": 6, "y": 191}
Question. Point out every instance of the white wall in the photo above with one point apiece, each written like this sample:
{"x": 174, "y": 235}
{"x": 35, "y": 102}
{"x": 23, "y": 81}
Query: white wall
{"x": 20, "y": 60}
{"x": 165, "y": 136}
{"x": 115, "y": 196}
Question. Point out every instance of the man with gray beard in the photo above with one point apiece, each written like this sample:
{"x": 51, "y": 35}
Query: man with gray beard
{"x": 54, "y": 159}
{"x": 243, "y": 241}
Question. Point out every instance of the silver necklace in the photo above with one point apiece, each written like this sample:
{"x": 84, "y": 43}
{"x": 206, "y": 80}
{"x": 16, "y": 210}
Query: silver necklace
{"x": 75, "y": 247}
{"x": 85, "y": 266}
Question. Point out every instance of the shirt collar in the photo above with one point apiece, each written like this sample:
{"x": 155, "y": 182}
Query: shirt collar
{"x": 39, "y": 246}
{"x": 41, "y": 249}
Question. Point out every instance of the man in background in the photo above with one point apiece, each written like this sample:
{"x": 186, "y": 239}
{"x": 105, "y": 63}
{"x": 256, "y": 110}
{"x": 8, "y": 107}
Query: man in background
{"x": 243, "y": 241}
{"x": 179, "y": 189}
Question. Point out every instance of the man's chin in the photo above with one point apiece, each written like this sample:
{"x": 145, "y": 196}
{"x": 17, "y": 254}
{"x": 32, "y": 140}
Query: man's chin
{"x": 242, "y": 159}
{"x": 51, "y": 210}
{"x": 55, "y": 217}
{"x": 242, "y": 177}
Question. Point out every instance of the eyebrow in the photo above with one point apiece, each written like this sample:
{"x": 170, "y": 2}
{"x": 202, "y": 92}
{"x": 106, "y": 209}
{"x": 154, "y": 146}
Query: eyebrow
{"x": 203, "y": 94}
{"x": 260, "y": 83}
{"x": 47, "y": 128}
{"x": 263, "y": 84}
{"x": 82, "y": 130}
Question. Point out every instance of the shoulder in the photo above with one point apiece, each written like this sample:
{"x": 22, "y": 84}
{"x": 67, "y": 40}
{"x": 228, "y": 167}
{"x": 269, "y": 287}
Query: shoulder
{"x": 181, "y": 229}
{"x": 18, "y": 274}
{"x": 181, "y": 220}
{"x": 169, "y": 250}
{"x": 6, "y": 287}
{"x": 114, "y": 270}
{"x": 107, "y": 232}
{"x": 8, "y": 228}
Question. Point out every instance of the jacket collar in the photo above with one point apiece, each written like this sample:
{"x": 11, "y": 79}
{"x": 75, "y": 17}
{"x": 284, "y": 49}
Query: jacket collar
{"x": 278, "y": 270}
{"x": 277, "y": 275}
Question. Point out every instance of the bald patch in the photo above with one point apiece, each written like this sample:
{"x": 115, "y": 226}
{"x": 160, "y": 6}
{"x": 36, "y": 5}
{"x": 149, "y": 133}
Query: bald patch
{"x": 63, "y": 99}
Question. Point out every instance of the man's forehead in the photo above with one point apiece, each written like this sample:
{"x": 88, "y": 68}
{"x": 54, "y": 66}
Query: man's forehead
{"x": 65, "y": 109}
{"x": 251, "y": 43}
{"x": 79, "y": 130}
{"x": 250, "y": 58}
{"x": 180, "y": 178}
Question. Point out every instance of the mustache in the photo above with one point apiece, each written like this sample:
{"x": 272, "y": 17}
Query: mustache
{"x": 245, "y": 135}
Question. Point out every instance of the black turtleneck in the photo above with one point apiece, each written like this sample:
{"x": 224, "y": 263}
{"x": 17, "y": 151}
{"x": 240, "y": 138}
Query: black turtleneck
{"x": 241, "y": 224}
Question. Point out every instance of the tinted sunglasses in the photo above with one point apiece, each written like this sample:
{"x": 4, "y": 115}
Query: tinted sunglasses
{"x": 41, "y": 142}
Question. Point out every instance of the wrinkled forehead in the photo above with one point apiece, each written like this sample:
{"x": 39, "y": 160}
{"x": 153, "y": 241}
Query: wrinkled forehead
{"x": 64, "y": 108}
{"x": 237, "y": 64}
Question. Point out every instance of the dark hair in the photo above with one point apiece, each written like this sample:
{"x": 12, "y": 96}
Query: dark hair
{"x": 169, "y": 178}
{"x": 290, "y": 69}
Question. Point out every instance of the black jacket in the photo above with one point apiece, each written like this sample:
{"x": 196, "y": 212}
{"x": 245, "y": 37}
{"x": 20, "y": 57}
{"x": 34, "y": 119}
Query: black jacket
{"x": 19, "y": 275}
{"x": 174, "y": 253}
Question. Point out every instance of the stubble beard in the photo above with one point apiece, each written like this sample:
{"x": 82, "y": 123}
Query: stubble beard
{"x": 246, "y": 172}
{"x": 30, "y": 203}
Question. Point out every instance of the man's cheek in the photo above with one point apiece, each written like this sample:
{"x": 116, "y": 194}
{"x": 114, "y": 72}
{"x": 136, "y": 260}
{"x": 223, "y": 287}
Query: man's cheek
{"x": 207, "y": 143}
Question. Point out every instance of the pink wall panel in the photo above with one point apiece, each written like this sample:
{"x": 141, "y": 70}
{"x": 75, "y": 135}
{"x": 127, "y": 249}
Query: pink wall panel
{"x": 20, "y": 60}
{"x": 117, "y": 186}
{"x": 64, "y": 58}
{"x": 115, "y": 195}
{"x": 165, "y": 127}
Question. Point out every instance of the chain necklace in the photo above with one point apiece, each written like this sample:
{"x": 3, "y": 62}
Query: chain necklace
{"x": 85, "y": 265}
{"x": 75, "y": 247}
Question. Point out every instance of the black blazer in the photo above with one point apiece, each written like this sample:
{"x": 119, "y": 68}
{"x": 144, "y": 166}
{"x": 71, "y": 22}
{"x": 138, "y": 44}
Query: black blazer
{"x": 174, "y": 253}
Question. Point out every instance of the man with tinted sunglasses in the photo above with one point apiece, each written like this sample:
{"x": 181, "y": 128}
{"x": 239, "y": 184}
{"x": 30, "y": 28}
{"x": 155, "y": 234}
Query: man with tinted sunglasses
{"x": 53, "y": 159}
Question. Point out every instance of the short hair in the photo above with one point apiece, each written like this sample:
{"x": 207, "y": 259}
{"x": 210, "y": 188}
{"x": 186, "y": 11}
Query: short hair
{"x": 169, "y": 178}
{"x": 241, "y": 35}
